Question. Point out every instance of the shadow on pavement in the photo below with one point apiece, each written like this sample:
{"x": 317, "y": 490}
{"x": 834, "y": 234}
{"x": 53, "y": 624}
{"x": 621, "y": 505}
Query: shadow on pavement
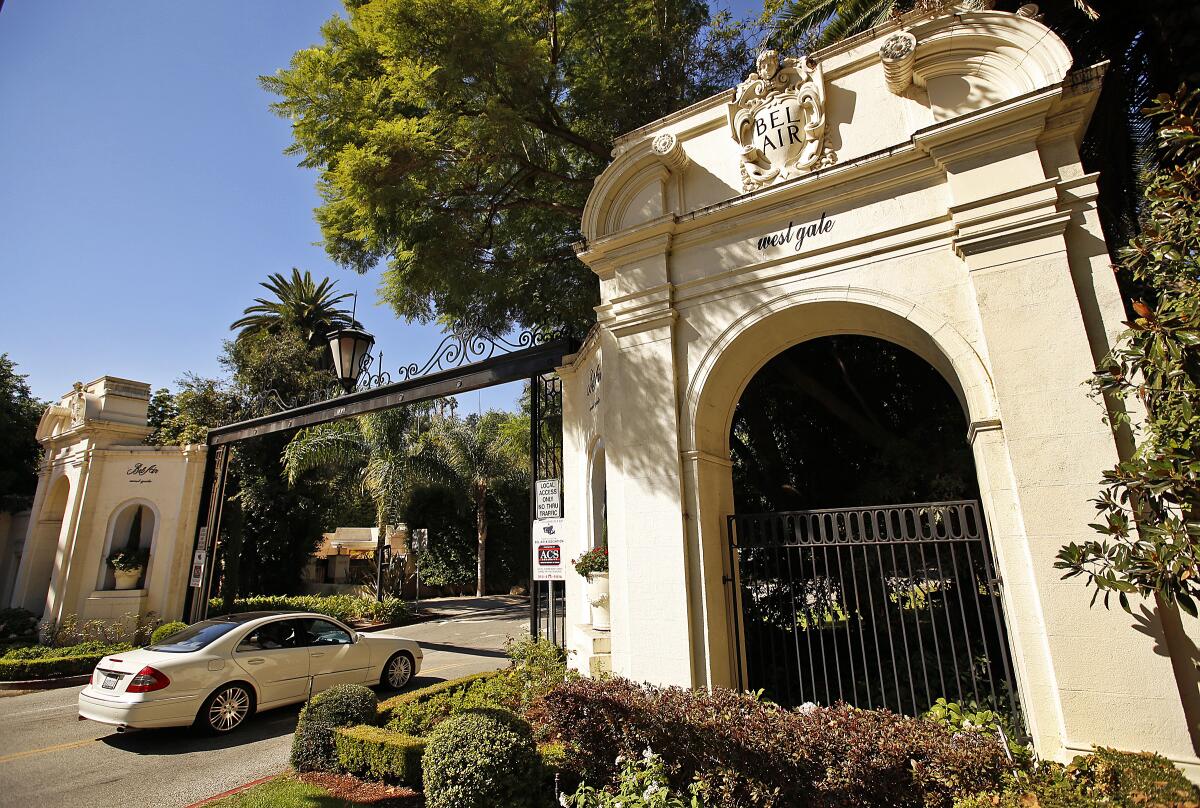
{"x": 465, "y": 650}
{"x": 184, "y": 740}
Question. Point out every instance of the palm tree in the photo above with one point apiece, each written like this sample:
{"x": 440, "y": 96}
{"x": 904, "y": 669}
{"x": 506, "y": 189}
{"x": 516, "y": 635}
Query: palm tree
{"x": 1151, "y": 46}
{"x": 385, "y": 449}
{"x": 300, "y": 302}
{"x": 475, "y": 454}
{"x": 817, "y": 23}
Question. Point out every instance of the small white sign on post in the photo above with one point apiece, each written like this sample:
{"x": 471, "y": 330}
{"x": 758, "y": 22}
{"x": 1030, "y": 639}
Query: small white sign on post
{"x": 198, "y": 568}
{"x": 549, "y": 562}
{"x": 549, "y": 499}
{"x": 202, "y": 541}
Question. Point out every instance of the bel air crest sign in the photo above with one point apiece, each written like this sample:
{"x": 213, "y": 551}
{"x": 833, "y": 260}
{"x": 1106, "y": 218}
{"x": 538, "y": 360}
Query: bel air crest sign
{"x": 778, "y": 118}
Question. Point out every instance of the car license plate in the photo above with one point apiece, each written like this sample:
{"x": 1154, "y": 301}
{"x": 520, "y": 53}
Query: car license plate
{"x": 110, "y": 682}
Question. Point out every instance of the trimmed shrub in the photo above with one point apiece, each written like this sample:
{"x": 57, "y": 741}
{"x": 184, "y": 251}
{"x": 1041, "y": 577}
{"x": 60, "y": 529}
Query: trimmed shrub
{"x": 419, "y": 716}
{"x": 46, "y": 662}
{"x": 346, "y": 608}
{"x": 481, "y": 759}
{"x": 751, "y": 752}
{"x": 379, "y": 754}
{"x": 166, "y": 630}
{"x": 339, "y": 706}
{"x": 16, "y": 624}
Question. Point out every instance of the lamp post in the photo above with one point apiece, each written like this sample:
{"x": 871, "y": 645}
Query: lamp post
{"x": 351, "y": 349}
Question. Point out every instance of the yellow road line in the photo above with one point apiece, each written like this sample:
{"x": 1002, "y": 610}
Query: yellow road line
{"x": 56, "y": 748}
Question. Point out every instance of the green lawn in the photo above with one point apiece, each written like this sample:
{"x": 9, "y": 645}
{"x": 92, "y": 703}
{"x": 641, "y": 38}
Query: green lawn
{"x": 282, "y": 792}
{"x": 287, "y": 791}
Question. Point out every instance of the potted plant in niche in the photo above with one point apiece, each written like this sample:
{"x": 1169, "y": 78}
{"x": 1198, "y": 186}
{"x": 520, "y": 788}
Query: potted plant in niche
{"x": 127, "y": 564}
{"x": 593, "y": 565}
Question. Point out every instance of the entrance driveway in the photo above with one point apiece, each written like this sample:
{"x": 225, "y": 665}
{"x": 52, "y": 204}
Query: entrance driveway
{"x": 49, "y": 758}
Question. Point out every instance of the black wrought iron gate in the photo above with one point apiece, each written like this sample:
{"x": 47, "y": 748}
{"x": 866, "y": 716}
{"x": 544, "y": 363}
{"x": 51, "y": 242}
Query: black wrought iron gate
{"x": 878, "y": 607}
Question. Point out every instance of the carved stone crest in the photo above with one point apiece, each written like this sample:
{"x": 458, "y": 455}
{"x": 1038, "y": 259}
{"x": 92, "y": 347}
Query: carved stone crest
{"x": 778, "y": 119}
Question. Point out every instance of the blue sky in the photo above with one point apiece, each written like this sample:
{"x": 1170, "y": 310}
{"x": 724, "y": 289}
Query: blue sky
{"x": 144, "y": 192}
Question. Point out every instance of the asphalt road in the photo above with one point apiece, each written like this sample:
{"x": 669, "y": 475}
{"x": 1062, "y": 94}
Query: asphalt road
{"x": 50, "y": 759}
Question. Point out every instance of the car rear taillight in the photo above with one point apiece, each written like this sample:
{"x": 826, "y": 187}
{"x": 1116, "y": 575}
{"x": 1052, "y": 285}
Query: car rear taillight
{"x": 147, "y": 680}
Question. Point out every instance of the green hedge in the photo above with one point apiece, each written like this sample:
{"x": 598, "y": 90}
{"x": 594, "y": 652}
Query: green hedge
{"x": 346, "y": 608}
{"x": 380, "y": 754}
{"x": 45, "y": 662}
{"x": 418, "y": 712}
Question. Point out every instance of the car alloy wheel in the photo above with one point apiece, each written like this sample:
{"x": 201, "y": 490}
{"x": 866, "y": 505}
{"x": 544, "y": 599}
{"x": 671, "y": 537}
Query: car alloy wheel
{"x": 399, "y": 671}
{"x": 228, "y": 709}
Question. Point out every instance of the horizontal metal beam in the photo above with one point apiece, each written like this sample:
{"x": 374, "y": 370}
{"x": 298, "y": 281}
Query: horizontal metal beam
{"x": 510, "y": 367}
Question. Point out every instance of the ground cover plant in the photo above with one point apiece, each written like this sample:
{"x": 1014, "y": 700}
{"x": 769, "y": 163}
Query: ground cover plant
{"x": 347, "y": 608}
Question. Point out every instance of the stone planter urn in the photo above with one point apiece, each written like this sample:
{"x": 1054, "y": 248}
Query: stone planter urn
{"x": 127, "y": 579}
{"x": 597, "y": 595}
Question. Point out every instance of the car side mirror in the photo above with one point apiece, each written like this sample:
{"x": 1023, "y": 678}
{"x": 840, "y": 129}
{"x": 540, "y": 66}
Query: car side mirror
{"x": 358, "y": 635}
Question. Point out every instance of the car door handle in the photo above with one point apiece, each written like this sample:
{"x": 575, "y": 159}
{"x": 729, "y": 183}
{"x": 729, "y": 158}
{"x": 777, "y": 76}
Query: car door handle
{"x": 255, "y": 661}
{"x": 317, "y": 653}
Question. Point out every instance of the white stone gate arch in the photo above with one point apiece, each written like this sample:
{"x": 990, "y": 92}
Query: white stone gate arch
{"x": 937, "y": 201}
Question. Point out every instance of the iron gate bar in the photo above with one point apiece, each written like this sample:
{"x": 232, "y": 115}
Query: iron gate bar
{"x": 824, "y": 560}
{"x": 501, "y": 369}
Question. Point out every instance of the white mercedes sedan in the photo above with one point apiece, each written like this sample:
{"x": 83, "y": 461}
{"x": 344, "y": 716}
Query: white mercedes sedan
{"x": 216, "y": 673}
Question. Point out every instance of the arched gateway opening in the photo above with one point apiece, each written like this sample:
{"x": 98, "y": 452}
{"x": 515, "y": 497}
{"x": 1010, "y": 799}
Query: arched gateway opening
{"x": 860, "y": 563}
{"x": 863, "y": 569}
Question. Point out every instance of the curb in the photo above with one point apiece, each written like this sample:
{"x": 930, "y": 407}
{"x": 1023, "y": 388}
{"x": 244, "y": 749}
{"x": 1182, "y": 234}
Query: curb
{"x": 47, "y": 684}
{"x": 232, "y": 791}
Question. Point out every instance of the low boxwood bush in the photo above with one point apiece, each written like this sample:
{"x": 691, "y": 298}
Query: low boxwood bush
{"x": 340, "y": 706}
{"x": 537, "y": 666}
{"x": 340, "y": 607}
{"x": 751, "y": 752}
{"x": 166, "y": 630}
{"x": 417, "y": 713}
{"x": 46, "y": 662}
{"x": 379, "y": 754}
{"x": 481, "y": 759}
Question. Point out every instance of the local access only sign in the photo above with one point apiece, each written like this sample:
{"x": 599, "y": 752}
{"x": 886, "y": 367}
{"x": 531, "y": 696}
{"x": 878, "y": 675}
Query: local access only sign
{"x": 549, "y": 499}
{"x": 549, "y": 562}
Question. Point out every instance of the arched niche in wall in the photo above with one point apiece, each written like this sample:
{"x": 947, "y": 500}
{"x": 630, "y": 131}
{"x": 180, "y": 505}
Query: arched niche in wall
{"x": 597, "y": 497}
{"x": 39, "y": 550}
{"x": 132, "y": 524}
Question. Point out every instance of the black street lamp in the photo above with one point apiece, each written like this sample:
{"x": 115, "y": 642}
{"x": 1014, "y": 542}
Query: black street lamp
{"x": 351, "y": 349}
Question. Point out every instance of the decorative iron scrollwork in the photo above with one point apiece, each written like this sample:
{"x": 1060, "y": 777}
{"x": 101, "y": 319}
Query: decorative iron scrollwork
{"x": 454, "y": 351}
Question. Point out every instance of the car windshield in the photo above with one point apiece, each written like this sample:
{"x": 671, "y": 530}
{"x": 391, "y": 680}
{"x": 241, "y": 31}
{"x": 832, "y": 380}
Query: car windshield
{"x": 195, "y": 637}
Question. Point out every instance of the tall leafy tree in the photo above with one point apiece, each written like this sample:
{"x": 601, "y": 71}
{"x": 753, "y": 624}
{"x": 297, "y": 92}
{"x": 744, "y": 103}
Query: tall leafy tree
{"x": 457, "y": 140}
{"x": 19, "y": 416}
{"x": 476, "y": 454}
{"x": 299, "y": 302}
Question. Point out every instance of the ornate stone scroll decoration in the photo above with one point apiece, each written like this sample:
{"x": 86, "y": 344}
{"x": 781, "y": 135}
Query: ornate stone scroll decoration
{"x": 898, "y": 54}
{"x": 778, "y": 118}
{"x": 668, "y": 149}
